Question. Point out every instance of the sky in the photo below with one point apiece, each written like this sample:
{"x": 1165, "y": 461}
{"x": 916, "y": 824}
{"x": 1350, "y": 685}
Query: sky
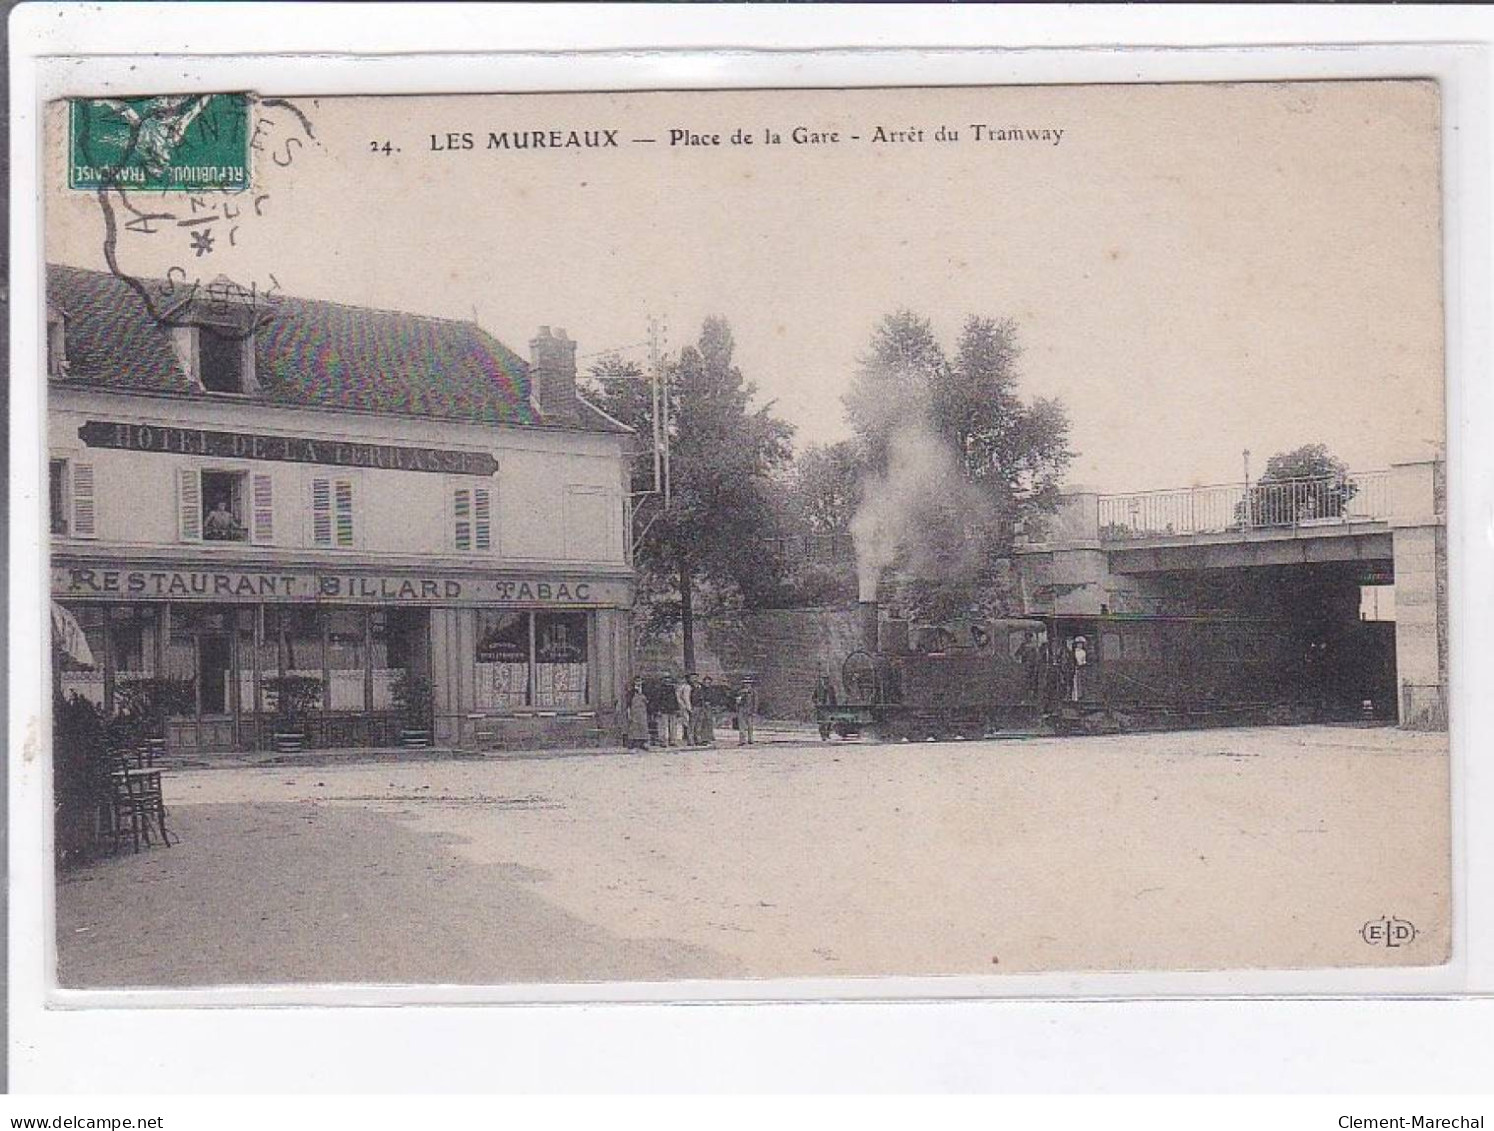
{"x": 1193, "y": 269}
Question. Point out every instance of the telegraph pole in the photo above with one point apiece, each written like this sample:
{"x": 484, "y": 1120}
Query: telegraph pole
{"x": 664, "y": 387}
{"x": 655, "y": 382}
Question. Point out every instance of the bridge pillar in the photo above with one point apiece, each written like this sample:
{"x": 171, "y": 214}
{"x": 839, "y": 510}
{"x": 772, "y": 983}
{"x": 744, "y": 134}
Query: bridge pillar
{"x": 1417, "y": 520}
{"x": 1067, "y": 573}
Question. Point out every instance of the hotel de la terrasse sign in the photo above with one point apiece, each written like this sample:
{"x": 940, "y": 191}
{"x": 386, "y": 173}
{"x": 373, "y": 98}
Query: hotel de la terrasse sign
{"x": 276, "y": 585}
{"x": 172, "y": 440}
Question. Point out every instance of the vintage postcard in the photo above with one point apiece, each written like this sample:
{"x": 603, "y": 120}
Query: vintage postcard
{"x": 663, "y": 536}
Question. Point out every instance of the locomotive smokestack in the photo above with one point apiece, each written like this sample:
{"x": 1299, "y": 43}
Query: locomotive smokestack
{"x": 868, "y": 613}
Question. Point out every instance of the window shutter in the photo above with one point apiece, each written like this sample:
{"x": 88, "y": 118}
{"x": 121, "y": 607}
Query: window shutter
{"x": 482, "y": 519}
{"x": 343, "y": 497}
{"x": 263, "y": 507}
{"x": 84, "y": 525}
{"x": 321, "y": 512}
{"x": 189, "y": 504}
{"x": 461, "y": 509}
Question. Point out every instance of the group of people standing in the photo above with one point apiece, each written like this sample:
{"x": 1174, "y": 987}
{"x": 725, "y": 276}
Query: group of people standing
{"x": 1057, "y": 671}
{"x": 683, "y": 712}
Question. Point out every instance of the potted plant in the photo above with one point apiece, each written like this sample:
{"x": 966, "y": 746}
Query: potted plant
{"x": 80, "y": 777}
{"x": 415, "y": 698}
{"x": 142, "y": 706}
{"x": 295, "y": 698}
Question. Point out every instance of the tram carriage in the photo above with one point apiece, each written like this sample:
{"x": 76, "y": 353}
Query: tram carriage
{"x": 985, "y": 678}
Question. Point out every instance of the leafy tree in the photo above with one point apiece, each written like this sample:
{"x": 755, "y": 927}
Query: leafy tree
{"x": 723, "y": 453}
{"x": 1310, "y": 461}
{"x": 1305, "y": 483}
{"x": 955, "y": 456}
{"x": 824, "y": 486}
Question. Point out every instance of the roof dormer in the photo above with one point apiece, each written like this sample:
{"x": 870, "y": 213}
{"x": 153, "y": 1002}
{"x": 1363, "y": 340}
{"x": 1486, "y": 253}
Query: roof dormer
{"x": 56, "y": 341}
{"x": 213, "y": 336}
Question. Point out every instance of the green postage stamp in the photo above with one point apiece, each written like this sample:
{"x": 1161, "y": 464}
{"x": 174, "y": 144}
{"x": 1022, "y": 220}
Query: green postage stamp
{"x": 184, "y": 143}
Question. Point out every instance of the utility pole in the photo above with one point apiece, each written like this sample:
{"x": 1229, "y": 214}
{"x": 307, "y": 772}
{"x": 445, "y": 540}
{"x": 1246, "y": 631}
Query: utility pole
{"x": 656, "y": 382}
{"x": 664, "y": 387}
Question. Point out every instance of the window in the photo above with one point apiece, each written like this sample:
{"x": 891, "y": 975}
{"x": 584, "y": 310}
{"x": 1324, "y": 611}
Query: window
{"x": 560, "y": 660}
{"x": 502, "y": 659}
{"x": 472, "y": 518}
{"x": 57, "y": 491}
{"x": 217, "y": 504}
{"x": 223, "y": 506}
{"x": 532, "y": 659}
{"x": 593, "y": 522}
{"x": 220, "y": 361}
{"x": 70, "y": 496}
{"x": 332, "y": 513}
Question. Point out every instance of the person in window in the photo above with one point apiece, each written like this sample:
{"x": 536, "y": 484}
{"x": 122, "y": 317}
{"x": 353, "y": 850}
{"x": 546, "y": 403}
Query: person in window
{"x": 220, "y": 525}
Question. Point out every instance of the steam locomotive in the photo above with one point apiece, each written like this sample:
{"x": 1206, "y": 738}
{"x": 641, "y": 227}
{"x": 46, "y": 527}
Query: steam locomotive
{"x": 1093, "y": 674}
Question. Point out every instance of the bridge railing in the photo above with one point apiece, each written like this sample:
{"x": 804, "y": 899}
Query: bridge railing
{"x": 1328, "y": 500}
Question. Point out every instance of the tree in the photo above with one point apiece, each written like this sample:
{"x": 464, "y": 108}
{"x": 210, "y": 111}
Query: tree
{"x": 955, "y": 458}
{"x": 1305, "y": 483}
{"x": 723, "y": 453}
{"x": 1310, "y": 461}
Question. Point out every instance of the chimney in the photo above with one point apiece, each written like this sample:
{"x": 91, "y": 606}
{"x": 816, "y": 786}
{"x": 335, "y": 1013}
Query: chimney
{"x": 868, "y": 616}
{"x": 552, "y": 372}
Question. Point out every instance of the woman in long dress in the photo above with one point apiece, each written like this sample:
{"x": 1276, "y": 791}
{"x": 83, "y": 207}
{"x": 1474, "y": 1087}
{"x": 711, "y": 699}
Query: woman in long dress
{"x": 638, "y": 717}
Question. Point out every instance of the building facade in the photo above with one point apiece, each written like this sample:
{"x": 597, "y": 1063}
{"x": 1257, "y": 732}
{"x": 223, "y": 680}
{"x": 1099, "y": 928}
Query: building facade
{"x": 391, "y": 519}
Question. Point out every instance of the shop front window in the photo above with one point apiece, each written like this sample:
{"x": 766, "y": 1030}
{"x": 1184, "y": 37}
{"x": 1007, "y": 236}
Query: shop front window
{"x": 346, "y": 659}
{"x": 502, "y": 661}
{"x": 560, "y": 655}
{"x": 296, "y": 637}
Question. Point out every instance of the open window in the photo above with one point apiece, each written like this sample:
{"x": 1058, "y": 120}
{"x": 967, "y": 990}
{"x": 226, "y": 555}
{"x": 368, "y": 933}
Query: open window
{"x": 57, "y": 492}
{"x": 224, "y": 497}
{"x": 225, "y": 505}
{"x": 222, "y": 360}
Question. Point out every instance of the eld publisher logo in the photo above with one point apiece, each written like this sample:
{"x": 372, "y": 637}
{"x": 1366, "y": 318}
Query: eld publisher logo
{"x": 1388, "y": 932}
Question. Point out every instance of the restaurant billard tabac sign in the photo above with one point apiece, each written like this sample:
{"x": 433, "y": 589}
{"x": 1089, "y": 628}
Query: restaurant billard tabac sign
{"x": 171, "y": 440}
{"x": 229, "y": 585}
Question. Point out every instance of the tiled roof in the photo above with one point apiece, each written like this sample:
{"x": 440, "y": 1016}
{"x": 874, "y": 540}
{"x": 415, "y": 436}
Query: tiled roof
{"x": 309, "y": 352}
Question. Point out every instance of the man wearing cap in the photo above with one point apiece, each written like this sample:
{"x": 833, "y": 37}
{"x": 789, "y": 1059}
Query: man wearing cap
{"x": 746, "y": 711}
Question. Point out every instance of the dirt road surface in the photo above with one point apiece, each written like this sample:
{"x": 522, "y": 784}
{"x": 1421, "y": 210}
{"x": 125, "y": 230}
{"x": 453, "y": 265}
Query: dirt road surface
{"x": 1203, "y": 850}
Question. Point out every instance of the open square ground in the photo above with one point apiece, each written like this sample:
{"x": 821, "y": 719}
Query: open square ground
{"x": 1227, "y": 848}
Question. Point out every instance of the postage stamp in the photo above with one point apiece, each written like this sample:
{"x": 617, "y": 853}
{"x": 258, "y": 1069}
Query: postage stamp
{"x": 170, "y": 143}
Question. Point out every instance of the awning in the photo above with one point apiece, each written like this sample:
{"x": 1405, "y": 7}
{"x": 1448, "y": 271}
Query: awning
{"x": 68, "y": 636}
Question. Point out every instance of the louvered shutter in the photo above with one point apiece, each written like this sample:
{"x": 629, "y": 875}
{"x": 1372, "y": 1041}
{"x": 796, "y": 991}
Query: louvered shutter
{"x": 189, "y": 504}
{"x": 342, "y": 495}
{"x": 461, "y": 510}
{"x": 263, "y": 507}
{"x": 321, "y": 512}
{"x": 84, "y": 515}
{"x": 482, "y": 508}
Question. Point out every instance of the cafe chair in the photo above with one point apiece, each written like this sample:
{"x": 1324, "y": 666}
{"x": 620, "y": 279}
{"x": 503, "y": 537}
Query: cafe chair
{"x": 138, "y": 806}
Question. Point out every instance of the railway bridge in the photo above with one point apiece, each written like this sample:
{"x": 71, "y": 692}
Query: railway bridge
{"x": 1359, "y": 561}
